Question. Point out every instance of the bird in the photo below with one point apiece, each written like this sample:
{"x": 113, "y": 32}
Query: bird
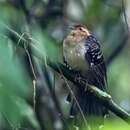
{"x": 82, "y": 53}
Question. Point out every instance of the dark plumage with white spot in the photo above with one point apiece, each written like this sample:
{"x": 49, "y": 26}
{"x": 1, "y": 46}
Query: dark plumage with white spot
{"x": 82, "y": 52}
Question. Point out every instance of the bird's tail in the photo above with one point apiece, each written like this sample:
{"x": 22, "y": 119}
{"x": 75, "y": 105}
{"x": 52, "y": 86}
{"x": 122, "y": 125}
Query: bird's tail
{"x": 90, "y": 107}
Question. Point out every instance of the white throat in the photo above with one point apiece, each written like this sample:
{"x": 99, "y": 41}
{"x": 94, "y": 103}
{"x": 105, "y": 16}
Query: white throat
{"x": 75, "y": 56}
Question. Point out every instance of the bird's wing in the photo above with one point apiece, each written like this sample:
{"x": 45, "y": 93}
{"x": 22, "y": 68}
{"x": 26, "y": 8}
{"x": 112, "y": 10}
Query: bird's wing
{"x": 94, "y": 56}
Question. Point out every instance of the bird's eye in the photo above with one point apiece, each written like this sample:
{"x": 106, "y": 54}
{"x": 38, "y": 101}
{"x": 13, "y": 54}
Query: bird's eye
{"x": 80, "y": 29}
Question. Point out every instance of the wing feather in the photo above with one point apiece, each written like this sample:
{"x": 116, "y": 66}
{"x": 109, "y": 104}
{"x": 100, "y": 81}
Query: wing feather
{"x": 97, "y": 73}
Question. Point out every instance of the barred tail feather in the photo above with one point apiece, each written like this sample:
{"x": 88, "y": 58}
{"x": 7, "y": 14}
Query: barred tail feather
{"x": 91, "y": 107}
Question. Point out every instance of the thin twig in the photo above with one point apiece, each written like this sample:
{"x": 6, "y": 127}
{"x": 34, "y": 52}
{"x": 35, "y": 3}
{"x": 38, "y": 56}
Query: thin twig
{"x": 123, "y": 40}
{"x": 77, "y": 103}
{"x": 124, "y": 13}
{"x": 34, "y": 94}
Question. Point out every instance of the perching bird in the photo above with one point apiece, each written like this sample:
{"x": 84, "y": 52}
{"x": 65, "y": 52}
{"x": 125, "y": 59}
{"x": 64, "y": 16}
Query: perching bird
{"x": 82, "y": 52}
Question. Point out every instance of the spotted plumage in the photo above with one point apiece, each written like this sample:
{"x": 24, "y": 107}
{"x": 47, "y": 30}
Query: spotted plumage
{"x": 82, "y": 52}
{"x": 93, "y": 54}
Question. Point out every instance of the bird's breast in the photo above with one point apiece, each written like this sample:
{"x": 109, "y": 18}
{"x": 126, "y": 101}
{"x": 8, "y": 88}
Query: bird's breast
{"x": 75, "y": 57}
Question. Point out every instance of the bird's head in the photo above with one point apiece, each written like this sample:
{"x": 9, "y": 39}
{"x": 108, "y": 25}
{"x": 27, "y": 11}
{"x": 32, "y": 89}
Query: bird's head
{"x": 77, "y": 34}
{"x": 79, "y": 30}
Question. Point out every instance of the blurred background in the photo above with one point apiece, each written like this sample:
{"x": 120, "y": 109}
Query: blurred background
{"x": 31, "y": 94}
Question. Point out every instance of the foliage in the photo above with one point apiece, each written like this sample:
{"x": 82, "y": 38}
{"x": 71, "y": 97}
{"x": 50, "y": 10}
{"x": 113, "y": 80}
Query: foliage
{"x": 44, "y": 24}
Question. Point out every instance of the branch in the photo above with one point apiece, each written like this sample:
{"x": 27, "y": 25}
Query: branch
{"x": 123, "y": 40}
{"x": 117, "y": 50}
{"x": 105, "y": 98}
